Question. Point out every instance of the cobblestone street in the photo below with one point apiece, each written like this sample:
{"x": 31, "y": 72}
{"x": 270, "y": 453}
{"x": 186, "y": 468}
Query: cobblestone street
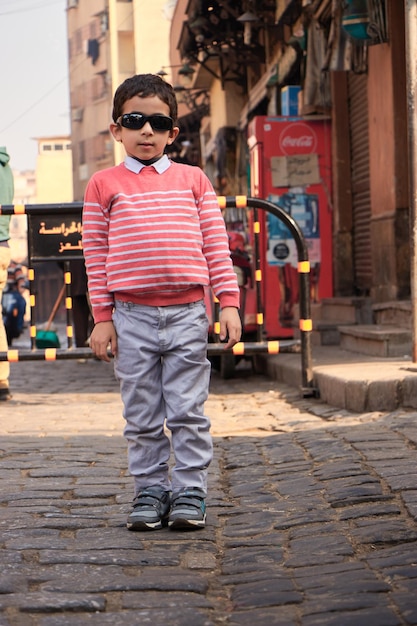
{"x": 311, "y": 511}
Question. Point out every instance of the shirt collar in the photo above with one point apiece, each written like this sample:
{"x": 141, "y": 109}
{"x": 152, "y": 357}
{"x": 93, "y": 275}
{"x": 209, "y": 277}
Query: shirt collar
{"x": 136, "y": 166}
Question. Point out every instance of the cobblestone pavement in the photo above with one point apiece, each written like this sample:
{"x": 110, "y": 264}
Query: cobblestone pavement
{"x": 312, "y": 511}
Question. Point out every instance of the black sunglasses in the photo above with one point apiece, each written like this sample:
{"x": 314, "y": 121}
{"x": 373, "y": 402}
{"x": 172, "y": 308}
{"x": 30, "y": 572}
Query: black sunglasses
{"x": 135, "y": 121}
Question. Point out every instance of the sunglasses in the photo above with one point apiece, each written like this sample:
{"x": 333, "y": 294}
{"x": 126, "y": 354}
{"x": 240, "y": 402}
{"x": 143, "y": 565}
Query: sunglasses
{"x": 135, "y": 121}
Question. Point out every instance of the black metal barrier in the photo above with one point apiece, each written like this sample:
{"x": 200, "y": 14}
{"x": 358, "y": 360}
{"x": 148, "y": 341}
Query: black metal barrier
{"x": 54, "y": 234}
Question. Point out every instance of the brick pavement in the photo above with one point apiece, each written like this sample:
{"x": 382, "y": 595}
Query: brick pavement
{"x": 312, "y": 511}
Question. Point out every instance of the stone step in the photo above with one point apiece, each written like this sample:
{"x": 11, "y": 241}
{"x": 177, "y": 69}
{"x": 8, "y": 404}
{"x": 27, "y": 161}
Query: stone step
{"x": 330, "y": 313}
{"x": 328, "y": 333}
{"x": 376, "y": 340}
{"x": 325, "y": 332}
{"x": 397, "y": 313}
{"x": 346, "y": 310}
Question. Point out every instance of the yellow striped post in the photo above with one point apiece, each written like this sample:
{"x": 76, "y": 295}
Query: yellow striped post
{"x": 50, "y": 354}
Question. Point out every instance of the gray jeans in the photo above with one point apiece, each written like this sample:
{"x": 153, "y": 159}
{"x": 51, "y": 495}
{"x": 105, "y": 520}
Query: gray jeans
{"x": 164, "y": 379}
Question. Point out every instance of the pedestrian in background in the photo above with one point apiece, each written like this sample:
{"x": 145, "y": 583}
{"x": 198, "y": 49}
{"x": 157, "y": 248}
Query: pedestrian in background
{"x": 154, "y": 238}
{"x": 6, "y": 197}
{"x": 81, "y": 313}
{"x": 13, "y": 302}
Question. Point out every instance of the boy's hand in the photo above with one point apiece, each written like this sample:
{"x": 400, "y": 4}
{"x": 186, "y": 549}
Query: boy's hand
{"x": 230, "y": 326}
{"x": 103, "y": 335}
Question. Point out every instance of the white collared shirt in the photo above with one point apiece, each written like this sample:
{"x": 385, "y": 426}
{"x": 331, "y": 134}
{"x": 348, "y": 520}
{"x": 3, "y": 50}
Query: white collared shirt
{"x": 135, "y": 166}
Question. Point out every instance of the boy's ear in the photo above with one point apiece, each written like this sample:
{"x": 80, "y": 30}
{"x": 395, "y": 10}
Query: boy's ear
{"x": 116, "y": 131}
{"x": 173, "y": 134}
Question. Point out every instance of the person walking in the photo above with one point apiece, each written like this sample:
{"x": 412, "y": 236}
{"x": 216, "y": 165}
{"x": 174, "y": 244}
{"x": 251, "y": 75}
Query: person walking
{"x": 154, "y": 238}
{"x": 6, "y": 197}
{"x": 13, "y": 302}
{"x": 81, "y": 313}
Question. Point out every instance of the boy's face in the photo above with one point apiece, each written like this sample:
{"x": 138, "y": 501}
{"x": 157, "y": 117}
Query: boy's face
{"x": 146, "y": 142}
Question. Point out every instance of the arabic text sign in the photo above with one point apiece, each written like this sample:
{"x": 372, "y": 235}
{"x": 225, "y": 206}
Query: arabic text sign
{"x": 55, "y": 237}
{"x": 295, "y": 171}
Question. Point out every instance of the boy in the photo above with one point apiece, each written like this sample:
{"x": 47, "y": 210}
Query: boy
{"x": 153, "y": 238}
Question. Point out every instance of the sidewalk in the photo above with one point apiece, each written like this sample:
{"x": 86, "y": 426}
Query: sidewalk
{"x": 349, "y": 380}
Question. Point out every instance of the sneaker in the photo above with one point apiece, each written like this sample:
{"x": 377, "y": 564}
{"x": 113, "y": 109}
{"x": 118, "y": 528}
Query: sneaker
{"x": 150, "y": 509}
{"x": 188, "y": 509}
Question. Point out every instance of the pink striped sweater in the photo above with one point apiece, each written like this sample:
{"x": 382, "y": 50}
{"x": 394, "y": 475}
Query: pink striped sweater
{"x": 154, "y": 235}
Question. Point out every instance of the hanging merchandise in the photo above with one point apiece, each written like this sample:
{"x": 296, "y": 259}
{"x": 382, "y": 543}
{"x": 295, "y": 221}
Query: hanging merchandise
{"x": 355, "y": 20}
{"x": 378, "y": 25}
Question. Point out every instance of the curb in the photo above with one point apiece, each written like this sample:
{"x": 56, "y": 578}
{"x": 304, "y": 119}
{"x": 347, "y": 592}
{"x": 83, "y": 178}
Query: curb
{"x": 348, "y": 380}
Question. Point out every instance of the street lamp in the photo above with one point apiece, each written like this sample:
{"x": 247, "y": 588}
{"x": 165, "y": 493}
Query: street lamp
{"x": 185, "y": 72}
{"x": 248, "y": 20}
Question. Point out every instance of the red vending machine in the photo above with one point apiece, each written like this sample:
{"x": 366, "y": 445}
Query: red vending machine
{"x": 290, "y": 165}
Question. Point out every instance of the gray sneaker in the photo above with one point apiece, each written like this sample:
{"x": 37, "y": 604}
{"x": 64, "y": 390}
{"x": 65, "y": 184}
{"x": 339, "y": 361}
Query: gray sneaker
{"x": 150, "y": 509}
{"x": 188, "y": 509}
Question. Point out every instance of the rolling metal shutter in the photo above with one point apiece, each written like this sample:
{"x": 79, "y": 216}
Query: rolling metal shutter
{"x": 361, "y": 198}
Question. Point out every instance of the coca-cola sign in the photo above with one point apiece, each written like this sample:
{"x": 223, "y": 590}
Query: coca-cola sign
{"x": 298, "y": 138}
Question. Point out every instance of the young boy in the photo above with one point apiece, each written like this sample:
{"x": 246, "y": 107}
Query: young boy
{"x": 153, "y": 238}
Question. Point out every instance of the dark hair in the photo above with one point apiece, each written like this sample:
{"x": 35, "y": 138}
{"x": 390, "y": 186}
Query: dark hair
{"x": 144, "y": 85}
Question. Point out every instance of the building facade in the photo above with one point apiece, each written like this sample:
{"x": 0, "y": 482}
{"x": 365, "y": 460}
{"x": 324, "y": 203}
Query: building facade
{"x": 346, "y": 59}
{"x": 24, "y": 193}
{"x": 109, "y": 40}
{"x": 54, "y": 170}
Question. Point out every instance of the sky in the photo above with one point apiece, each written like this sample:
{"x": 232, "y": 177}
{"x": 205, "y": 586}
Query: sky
{"x": 34, "y": 84}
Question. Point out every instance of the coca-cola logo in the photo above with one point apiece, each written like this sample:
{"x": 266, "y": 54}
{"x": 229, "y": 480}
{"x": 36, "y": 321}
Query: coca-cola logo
{"x": 298, "y": 138}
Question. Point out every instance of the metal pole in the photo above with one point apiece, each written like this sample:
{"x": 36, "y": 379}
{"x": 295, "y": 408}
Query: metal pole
{"x": 258, "y": 277}
{"x": 411, "y": 66}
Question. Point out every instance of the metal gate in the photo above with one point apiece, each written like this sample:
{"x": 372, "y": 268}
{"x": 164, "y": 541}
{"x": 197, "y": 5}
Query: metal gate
{"x": 55, "y": 234}
{"x": 361, "y": 198}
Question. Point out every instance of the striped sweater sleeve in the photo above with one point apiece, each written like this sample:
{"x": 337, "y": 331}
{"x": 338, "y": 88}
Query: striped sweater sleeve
{"x": 216, "y": 247}
{"x": 96, "y": 249}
